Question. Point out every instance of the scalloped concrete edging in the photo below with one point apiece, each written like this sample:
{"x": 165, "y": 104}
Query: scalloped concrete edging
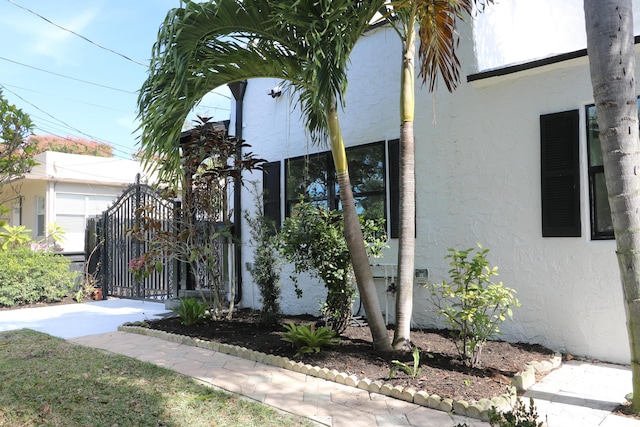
{"x": 474, "y": 409}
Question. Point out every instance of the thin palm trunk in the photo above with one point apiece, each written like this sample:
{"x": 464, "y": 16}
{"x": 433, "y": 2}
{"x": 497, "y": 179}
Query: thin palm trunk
{"x": 406, "y": 241}
{"x": 354, "y": 238}
{"x": 609, "y": 25}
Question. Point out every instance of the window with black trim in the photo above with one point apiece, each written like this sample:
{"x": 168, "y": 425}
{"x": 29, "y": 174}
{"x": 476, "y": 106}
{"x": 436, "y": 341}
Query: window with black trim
{"x": 601, "y": 224}
{"x": 314, "y": 177}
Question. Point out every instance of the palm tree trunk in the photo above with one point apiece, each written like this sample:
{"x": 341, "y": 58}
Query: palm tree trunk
{"x": 407, "y": 239}
{"x": 610, "y": 45}
{"x": 354, "y": 238}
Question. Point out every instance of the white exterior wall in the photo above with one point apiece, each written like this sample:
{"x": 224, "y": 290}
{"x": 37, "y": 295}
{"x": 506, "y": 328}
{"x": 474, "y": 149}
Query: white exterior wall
{"x": 478, "y": 175}
{"x": 75, "y": 187}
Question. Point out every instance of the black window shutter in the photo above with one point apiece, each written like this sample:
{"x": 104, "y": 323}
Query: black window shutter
{"x": 560, "y": 173}
{"x": 271, "y": 192}
{"x": 394, "y": 188}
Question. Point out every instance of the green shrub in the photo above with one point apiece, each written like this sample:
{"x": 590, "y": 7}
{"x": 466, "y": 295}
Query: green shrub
{"x": 518, "y": 416}
{"x": 192, "y": 311}
{"x": 308, "y": 338}
{"x": 312, "y": 239}
{"x": 266, "y": 265}
{"x": 472, "y": 305}
{"x": 27, "y": 277}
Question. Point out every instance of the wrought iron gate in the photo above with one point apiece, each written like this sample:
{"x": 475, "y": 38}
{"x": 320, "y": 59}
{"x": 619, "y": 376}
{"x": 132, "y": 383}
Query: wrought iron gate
{"x": 118, "y": 248}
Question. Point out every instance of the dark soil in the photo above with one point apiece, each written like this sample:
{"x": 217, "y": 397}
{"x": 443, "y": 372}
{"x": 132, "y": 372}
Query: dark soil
{"x": 442, "y": 371}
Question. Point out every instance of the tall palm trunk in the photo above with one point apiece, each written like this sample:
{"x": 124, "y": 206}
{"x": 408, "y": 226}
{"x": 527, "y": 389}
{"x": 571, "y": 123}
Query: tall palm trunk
{"x": 610, "y": 44}
{"x": 354, "y": 238}
{"x": 407, "y": 240}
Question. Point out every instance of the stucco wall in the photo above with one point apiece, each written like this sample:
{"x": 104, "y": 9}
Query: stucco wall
{"x": 478, "y": 175}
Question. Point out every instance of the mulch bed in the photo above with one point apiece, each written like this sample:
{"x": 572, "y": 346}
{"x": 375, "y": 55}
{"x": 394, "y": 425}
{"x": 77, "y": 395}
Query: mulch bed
{"x": 442, "y": 371}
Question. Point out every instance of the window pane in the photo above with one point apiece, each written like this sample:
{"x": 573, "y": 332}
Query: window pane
{"x": 372, "y": 207}
{"x": 366, "y": 168}
{"x": 70, "y": 203}
{"x": 40, "y": 212}
{"x": 98, "y": 204}
{"x": 308, "y": 175}
{"x": 593, "y": 142}
{"x": 601, "y": 206}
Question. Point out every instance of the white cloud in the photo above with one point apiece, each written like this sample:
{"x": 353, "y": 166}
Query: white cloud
{"x": 54, "y": 42}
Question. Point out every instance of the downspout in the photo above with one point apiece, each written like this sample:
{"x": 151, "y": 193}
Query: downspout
{"x": 238, "y": 89}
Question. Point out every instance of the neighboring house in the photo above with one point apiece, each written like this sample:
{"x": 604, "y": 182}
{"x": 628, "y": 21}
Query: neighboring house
{"x": 509, "y": 160}
{"x": 67, "y": 189}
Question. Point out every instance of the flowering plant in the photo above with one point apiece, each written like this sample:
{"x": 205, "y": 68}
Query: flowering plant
{"x": 143, "y": 266}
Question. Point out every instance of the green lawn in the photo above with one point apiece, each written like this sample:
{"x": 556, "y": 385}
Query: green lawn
{"x": 48, "y": 381}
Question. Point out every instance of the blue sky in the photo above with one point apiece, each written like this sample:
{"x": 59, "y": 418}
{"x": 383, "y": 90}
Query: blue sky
{"x": 66, "y": 107}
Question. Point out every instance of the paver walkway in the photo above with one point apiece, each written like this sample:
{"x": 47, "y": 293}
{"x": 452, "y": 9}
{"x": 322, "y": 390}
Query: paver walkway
{"x": 326, "y": 402}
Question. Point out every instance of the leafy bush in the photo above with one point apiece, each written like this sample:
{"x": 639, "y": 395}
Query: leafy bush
{"x": 312, "y": 238}
{"x": 191, "y": 311}
{"x": 308, "y": 338}
{"x": 27, "y": 277}
{"x": 519, "y": 416}
{"x": 472, "y": 305}
{"x": 266, "y": 267}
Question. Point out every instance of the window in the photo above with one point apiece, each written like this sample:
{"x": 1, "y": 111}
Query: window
{"x": 601, "y": 224}
{"x": 72, "y": 213}
{"x": 560, "y": 174}
{"x": 314, "y": 176}
{"x": 16, "y": 218}
{"x": 40, "y": 216}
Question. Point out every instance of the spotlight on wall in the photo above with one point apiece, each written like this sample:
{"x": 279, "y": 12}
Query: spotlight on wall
{"x": 274, "y": 92}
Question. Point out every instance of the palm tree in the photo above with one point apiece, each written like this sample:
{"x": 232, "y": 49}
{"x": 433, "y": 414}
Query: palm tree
{"x": 306, "y": 43}
{"x": 610, "y": 44}
{"x": 436, "y": 21}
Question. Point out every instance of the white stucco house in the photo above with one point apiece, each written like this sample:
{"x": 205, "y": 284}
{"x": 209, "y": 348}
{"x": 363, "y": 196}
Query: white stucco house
{"x": 508, "y": 160}
{"x": 67, "y": 189}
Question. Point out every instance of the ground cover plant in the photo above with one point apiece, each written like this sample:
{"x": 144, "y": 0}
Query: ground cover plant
{"x": 48, "y": 381}
{"x": 443, "y": 371}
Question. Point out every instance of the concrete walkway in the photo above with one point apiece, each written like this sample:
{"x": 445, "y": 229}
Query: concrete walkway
{"x": 578, "y": 394}
{"x": 77, "y": 320}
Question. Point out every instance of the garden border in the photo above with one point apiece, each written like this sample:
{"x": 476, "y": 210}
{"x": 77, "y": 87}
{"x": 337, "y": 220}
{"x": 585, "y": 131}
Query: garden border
{"x": 474, "y": 409}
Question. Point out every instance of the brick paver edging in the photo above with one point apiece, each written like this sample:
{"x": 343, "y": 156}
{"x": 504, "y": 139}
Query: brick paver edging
{"x": 474, "y": 409}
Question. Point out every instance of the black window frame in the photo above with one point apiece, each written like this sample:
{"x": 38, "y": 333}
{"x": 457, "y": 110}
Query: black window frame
{"x": 594, "y": 171}
{"x": 332, "y": 197}
{"x": 596, "y": 174}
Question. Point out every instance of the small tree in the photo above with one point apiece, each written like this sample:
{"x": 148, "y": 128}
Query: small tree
{"x": 266, "y": 267}
{"x": 312, "y": 238}
{"x": 210, "y": 161}
{"x": 16, "y": 151}
{"x": 471, "y": 304}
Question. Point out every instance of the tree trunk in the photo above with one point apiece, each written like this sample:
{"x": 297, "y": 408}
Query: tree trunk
{"x": 407, "y": 239}
{"x": 610, "y": 44}
{"x": 355, "y": 240}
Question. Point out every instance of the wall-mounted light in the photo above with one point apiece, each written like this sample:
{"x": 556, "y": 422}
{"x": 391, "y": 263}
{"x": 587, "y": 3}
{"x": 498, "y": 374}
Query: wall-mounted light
{"x": 274, "y": 92}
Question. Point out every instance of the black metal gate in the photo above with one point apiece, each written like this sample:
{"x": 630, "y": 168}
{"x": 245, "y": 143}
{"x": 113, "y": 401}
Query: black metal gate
{"x": 118, "y": 248}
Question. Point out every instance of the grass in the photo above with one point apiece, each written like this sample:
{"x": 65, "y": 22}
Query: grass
{"x": 47, "y": 381}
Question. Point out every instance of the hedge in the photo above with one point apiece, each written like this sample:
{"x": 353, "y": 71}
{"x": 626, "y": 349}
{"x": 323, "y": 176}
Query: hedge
{"x": 27, "y": 277}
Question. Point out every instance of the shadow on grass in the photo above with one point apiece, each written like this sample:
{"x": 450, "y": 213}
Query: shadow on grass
{"x": 46, "y": 380}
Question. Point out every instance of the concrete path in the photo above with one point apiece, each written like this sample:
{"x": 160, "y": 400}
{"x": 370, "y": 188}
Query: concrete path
{"x": 578, "y": 394}
{"x": 77, "y": 320}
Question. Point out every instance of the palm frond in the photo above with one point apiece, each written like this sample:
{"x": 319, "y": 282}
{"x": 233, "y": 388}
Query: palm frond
{"x": 203, "y": 46}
